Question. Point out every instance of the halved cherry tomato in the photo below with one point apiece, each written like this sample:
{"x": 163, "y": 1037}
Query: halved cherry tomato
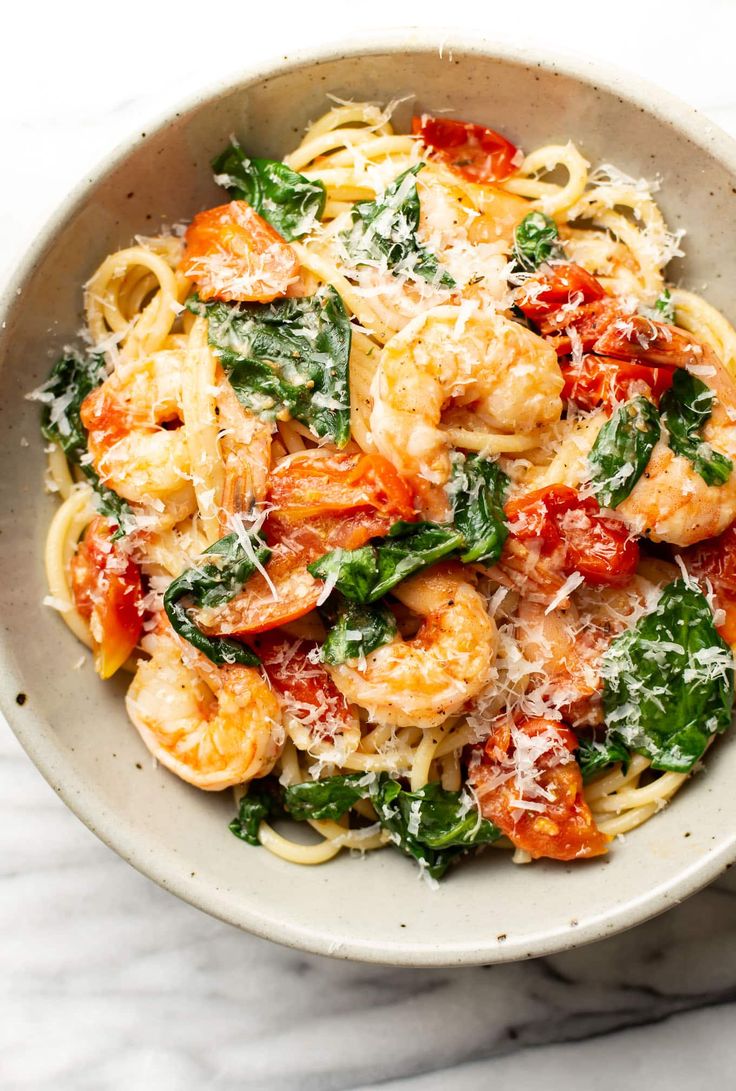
{"x": 319, "y": 502}
{"x": 604, "y": 380}
{"x": 559, "y": 824}
{"x": 557, "y": 287}
{"x": 649, "y": 341}
{"x": 106, "y": 585}
{"x": 479, "y": 154}
{"x": 598, "y": 547}
{"x": 307, "y": 689}
{"x": 233, "y": 254}
{"x": 715, "y": 560}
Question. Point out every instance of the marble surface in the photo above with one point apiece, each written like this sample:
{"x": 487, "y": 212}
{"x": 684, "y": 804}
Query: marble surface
{"x": 107, "y": 981}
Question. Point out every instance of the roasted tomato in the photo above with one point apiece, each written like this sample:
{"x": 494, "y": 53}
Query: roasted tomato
{"x": 319, "y": 502}
{"x": 715, "y": 560}
{"x": 557, "y": 288}
{"x": 106, "y": 585}
{"x": 604, "y": 381}
{"x": 572, "y": 529}
{"x": 529, "y": 784}
{"x": 233, "y": 254}
{"x": 306, "y": 689}
{"x": 479, "y": 154}
{"x": 635, "y": 336}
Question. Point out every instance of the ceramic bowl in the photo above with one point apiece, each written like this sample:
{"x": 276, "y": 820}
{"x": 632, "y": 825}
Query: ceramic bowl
{"x": 74, "y": 727}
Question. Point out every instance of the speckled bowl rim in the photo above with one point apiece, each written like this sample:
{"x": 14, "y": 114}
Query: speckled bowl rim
{"x": 57, "y": 768}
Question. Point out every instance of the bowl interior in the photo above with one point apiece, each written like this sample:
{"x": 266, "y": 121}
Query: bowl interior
{"x": 75, "y": 727}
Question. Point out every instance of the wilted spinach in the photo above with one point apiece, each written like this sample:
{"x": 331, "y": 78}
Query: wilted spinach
{"x": 595, "y": 755}
{"x": 477, "y": 490}
{"x": 685, "y": 408}
{"x": 356, "y": 630}
{"x": 622, "y": 450}
{"x": 536, "y": 240}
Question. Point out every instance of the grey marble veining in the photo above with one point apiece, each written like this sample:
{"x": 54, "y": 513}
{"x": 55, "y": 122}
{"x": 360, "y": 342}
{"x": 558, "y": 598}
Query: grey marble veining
{"x": 107, "y": 981}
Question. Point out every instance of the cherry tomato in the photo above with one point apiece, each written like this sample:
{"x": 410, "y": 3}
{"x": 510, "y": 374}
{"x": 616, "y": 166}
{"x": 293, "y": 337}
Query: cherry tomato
{"x": 479, "y": 154}
{"x": 715, "y": 560}
{"x": 558, "y": 287}
{"x": 307, "y": 689}
{"x": 564, "y": 828}
{"x": 320, "y": 502}
{"x": 604, "y": 380}
{"x": 233, "y": 254}
{"x": 597, "y": 546}
{"x": 656, "y": 343}
{"x": 106, "y": 585}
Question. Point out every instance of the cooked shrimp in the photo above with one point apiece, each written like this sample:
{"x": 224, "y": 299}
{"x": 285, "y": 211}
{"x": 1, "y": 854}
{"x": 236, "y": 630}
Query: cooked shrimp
{"x": 212, "y": 726}
{"x": 130, "y": 447}
{"x": 420, "y": 682}
{"x": 469, "y": 358}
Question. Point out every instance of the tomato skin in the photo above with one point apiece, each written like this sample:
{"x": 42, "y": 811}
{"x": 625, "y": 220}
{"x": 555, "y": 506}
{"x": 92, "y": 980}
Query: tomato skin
{"x": 320, "y": 502}
{"x": 478, "y": 154}
{"x": 597, "y": 546}
{"x": 567, "y": 286}
{"x": 106, "y": 585}
{"x": 604, "y": 381}
{"x": 635, "y": 336}
{"x": 296, "y": 677}
{"x": 715, "y": 560}
{"x": 565, "y": 828}
{"x": 234, "y": 255}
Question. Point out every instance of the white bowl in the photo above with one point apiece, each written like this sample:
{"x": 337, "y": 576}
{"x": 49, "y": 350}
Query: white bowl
{"x": 74, "y": 727}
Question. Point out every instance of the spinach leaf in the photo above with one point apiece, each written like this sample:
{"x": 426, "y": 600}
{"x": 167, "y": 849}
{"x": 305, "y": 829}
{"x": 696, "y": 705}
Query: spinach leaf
{"x": 668, "y": 683}
{"x": 595, "y": 755}
{"x": 366, "y": 574}
{"x": 330, "y": 798}
{"x": 536, "y": 240}
{"x": 664, "y": 307}
{"x": 212, "y": 585}
{"x": 431, "y": 825}
{"x": 290, "y": 202}
{"x": 261, "y": 801}
{"x": 72, "y": 378}
{"x": 622, "y": 450}
{"x": 685, "y": 408}
{"x": 356, "y": 631}
{"x": 386, "y": 228}
{"x": 288, "y": 356}
{"x": 477, "y": 489}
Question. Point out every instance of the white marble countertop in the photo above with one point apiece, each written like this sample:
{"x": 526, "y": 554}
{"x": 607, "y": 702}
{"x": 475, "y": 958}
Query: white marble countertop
{"x": 107, "y": 981}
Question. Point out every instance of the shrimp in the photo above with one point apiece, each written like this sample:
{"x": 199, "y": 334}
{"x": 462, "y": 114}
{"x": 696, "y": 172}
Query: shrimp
{"x": 420, "y": 682}
{"x": 469, "y": 358}
{"x": 131, "y": 450}
{"x": 212, "y": 726}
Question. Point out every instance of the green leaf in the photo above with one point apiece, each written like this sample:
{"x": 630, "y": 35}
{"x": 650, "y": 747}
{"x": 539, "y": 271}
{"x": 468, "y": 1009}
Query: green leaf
{"x": 291, "y": 355}
{"x": 664, "y": 307}
{"x": 536, "y": 240}
{"x": 686, "y": 407}
{"x": 291, "y": 203}
{"x": 367, "y": 574}
{"x": 669, "y": 681}
{"x": 477, "y": 490}
{"x": 72, "y": 378}
{"x": 356, "y": 631}
{"x": 432, "y": 825}
{"x": 212, "y": 585}
{"x": 330, "y": 798}
{"x": 595, "y": 755}
{"x": 261, "y": 801}
{"x": 622, "y": 450}
{"x": 386, "y": 228}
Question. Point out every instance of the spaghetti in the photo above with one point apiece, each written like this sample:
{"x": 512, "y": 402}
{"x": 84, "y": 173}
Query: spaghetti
{"x": 386, "y": 478}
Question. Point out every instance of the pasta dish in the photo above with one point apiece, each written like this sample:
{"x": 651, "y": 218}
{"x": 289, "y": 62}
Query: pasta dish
{"x": 401, "y": 483}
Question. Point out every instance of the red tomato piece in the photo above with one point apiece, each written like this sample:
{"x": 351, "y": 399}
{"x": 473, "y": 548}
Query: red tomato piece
{"x": 233, "y": 254}
{"x": 557, "y": 287}
{"x": 634, "y": 336}
{"x": 307, "y": 690}
{"x": 530, "y": 763}
{"x": 715, "y": 560}
{"x": 604, "y": 380}
{"x": 598, "y": 547}
{"x": 479, "y": 154}
{"x": 106, "y": 585}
